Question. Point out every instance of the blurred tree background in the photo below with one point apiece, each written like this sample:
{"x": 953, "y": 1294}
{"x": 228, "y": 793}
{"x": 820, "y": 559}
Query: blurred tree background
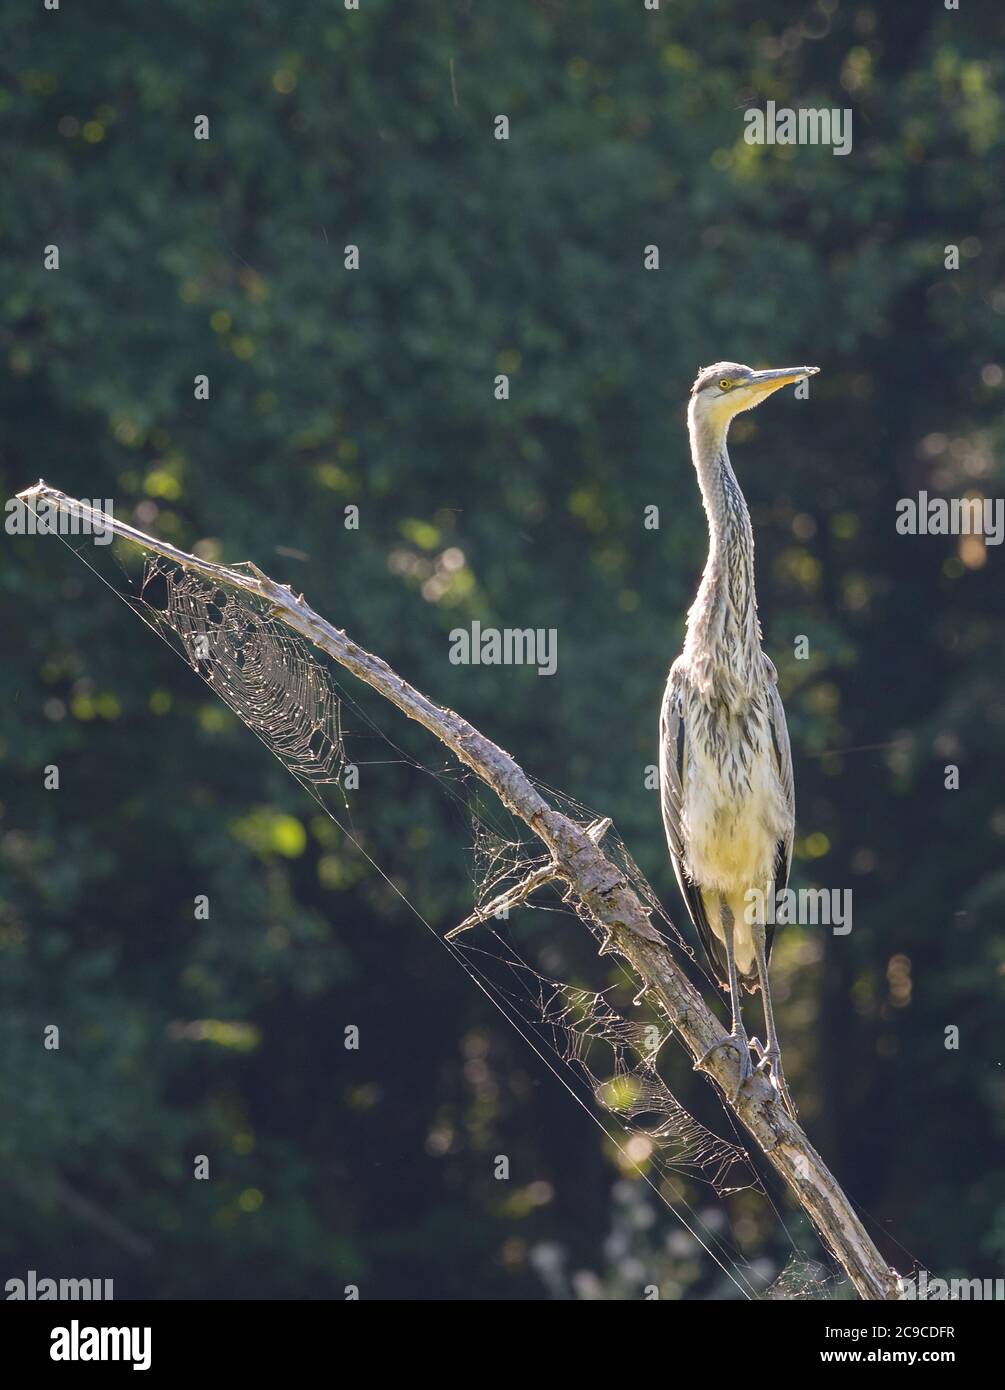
{"x": 374, "y": 387}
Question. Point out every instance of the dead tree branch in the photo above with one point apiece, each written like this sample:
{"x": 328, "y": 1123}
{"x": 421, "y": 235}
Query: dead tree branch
{"x": 576, "y": 858}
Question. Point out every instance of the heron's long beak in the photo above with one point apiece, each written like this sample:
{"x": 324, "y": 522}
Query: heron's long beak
{"x": 762, "y": 384}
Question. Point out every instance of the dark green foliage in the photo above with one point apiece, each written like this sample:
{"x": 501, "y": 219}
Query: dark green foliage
{"x": 375, "y": 388}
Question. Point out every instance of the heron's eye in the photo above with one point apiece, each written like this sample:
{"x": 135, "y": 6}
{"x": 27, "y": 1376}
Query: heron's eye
{"x": 725, "y": 385}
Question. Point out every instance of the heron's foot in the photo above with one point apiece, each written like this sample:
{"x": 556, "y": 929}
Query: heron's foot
{"x": 740, "y": 1044}
{"x": 771, "y": 1062}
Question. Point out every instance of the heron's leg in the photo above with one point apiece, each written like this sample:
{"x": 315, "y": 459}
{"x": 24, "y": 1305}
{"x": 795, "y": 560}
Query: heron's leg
{"x": 771, "y": 1055}
{"x": 737, "y": 1034}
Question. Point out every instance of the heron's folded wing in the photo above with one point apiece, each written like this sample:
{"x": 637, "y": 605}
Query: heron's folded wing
{"x": 673, "y": 763}
{"x": 783, "y": 766}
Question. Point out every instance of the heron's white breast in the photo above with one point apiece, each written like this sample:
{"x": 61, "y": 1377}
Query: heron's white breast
{"x": 733, "y": 813}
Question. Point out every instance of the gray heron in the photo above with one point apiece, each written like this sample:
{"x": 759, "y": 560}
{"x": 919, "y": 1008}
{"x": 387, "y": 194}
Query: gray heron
{"x": 725, "y": 763}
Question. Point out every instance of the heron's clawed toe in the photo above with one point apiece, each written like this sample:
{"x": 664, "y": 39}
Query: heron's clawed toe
{"x": 741, "y": 1046}
{"x": 771, "y": 1062}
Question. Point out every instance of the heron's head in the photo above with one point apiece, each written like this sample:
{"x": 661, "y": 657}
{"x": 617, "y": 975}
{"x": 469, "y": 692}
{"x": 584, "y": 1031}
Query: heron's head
{"x": 727, "y": 388}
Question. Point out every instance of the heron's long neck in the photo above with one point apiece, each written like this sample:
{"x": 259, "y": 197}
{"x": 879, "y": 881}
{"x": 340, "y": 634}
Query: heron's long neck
{"x": 723, "y": 620}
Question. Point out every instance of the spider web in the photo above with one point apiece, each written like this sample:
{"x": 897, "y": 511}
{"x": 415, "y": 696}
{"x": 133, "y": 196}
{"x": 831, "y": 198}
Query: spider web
{"x": 268, "y": 675}
{"x": 616, "y": 1059}
{"x": 615, "y": 1055}
{"x": 807, "y": 1281}
{"x": 609, "y": 1060}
